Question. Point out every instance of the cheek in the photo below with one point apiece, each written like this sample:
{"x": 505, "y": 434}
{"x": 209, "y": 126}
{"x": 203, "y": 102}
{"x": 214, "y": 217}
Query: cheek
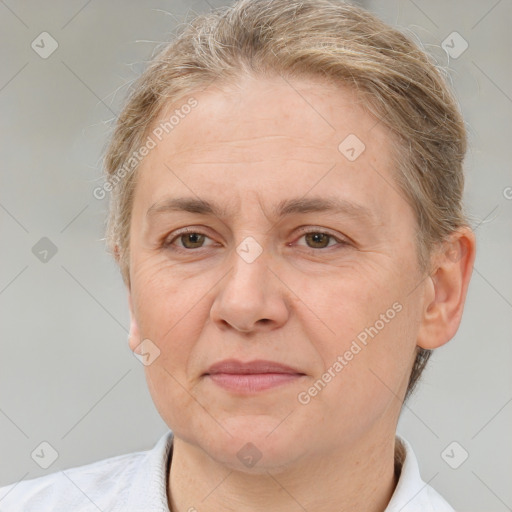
{"x": 170, "y": 313}
{"x": 167, "y": 310}
{"x": 373, "y": 326}
{"x": 351, "y": 302}
{"x": 175, "y": 402}
{"x": 163, "y": 296}
{"x": 362, "y": 380}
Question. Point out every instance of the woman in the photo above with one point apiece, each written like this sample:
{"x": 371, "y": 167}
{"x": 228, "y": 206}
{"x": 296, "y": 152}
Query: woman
{"x": 286, "y": 185}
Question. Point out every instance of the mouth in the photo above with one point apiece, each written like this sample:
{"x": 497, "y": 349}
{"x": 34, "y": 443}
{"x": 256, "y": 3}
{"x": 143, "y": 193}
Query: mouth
{"x": 252, "y": 376}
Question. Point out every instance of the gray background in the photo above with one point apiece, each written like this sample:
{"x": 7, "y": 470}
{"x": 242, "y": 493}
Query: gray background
{"x": 66, "y": 374}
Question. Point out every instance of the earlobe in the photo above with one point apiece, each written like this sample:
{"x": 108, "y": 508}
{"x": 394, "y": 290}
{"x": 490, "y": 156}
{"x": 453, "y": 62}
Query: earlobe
{"x": 134, "y": 334}
{"x": 117, "y": 253}
{"x": 446, "y": 290}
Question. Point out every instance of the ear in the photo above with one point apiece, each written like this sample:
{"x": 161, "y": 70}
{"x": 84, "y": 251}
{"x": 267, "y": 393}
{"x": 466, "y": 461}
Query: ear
{"x": 446, "y": 289}
{"x": 134, "y": 335}
{"x": 117, "y": 253}
{"x": 125, "y": 274}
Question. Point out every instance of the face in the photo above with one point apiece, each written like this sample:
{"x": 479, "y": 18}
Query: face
{"x": 280, "y": 322}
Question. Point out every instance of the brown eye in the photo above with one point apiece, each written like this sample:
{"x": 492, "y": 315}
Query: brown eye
{"x": 318, "y": 240}
{"x": 187, "y": 240}
{"x": 194, "y": 239}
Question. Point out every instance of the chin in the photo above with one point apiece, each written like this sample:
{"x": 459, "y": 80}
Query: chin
{"x": 257, "y": 444}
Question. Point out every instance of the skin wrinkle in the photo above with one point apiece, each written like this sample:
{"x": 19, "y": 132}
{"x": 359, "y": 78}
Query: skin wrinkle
{"x": 300, "y": 160}
{"x": 264, "y": 239}
{"x": 191, "y": 154}
{"x": 294, "y": 306}
{"x": 335, "y": 453}
{"x": 330, "y": 206}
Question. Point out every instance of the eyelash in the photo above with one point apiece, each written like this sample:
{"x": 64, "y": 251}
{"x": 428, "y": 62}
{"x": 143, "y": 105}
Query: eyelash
{"x": 168, "y": 244}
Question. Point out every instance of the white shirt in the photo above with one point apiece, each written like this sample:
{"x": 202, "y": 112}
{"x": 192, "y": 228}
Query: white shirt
{"x": 137, "y": 482}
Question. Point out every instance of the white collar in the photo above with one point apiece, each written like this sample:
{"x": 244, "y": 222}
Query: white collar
{"x": 412, "y": 494}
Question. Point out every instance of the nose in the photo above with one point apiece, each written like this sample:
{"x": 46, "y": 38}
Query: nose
{"x": 251, "y": 298}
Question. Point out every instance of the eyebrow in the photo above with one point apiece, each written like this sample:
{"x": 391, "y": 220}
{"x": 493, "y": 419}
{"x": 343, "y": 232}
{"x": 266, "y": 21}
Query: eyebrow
{"x": 284, "y": 208}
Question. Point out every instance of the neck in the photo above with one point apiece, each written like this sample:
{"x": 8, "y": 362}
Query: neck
{"x": 362, "y": 478}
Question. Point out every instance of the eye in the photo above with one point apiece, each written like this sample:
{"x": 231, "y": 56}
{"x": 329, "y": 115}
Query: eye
{"x": 317, "y": 239}
{"x": 188, "y": 238}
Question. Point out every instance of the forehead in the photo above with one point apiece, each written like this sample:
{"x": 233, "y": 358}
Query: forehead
{"x": 286, "y": 115}
{"x": 272, "y": 138}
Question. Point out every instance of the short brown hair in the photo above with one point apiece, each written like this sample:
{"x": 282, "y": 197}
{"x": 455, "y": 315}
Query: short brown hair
{"x": 339, "y": 42}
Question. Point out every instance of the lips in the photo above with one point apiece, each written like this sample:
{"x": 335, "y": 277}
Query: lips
{"x": 251, "y": 377}
{"x": 233, "y": 366}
